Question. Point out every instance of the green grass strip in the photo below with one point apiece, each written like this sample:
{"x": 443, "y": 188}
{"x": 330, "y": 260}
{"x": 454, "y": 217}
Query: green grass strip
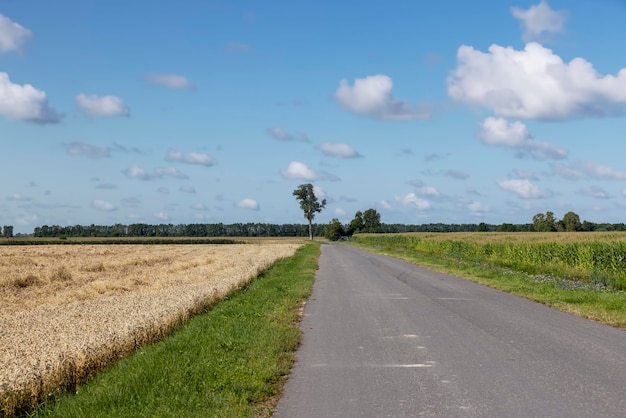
{"x": 231, "y": 361}
{"x": 608, "y": 308}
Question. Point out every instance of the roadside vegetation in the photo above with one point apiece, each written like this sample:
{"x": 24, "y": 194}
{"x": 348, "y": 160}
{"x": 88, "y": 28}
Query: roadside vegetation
{"x": 228, "y": 362}
{"x": 581, "y": 273}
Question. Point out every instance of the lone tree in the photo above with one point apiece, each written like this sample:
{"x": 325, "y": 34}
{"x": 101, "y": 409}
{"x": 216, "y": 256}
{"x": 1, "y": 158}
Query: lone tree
{"x": 308, "y": 203}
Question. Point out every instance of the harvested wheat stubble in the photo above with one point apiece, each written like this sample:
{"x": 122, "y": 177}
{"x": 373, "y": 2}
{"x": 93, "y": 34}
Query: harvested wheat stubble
{"x": 69, "y": 312}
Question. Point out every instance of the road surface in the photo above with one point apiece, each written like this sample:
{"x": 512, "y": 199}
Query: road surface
{"x": 385, "y": 338}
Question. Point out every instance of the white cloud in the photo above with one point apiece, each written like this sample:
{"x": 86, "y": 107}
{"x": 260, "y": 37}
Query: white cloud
{"x": 338, "y": 150}
{"x": 282, "y": 135}
{"x": 88, "y": 150}
{"x": 247, "y": 204}
{"x": 340, "y": 212}
{"x": 103, "y": 205}
{"x": 385, "y": 205}
{"x": 101, "y": 106}
{"x": 372, "y": 96}
{"x": 477, "y": 208}
{"x": 12, "y": 35}
{"x": 199, "y": 158}
{"x": 534, "y": 84}
{"x": 18, "y": 197}
{"x": 429, "y": 191}
{"x": 523, "y": 188}
{"x": 588, "y": 170}
{"x": 498, "y": 131}
{"x": 25, "y": 102}
{"x": 539, "y": 19}
{"x": 188, "y": 189}
{"x": 136, "y": 172}
{"x": 412, "y": 200}
{"x": 298, "y": 170}
{"x": 171, "y": 81}
{"x": 595, "y": 191}
{"x": 319, "y": 192}
{"x": 170, "y": 172}
{"x": 162, "y": 216}
{"x": 200, "y": 206}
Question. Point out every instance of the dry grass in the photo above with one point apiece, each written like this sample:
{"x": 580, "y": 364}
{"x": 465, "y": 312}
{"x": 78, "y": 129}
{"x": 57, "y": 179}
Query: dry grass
{"x": 69, "y": 311}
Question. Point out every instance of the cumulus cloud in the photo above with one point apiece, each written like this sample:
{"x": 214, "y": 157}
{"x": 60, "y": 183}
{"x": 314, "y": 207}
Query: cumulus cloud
{"x": 101, "y": 106}
{"x": 136, "y": 172}
{"x": 300, "y": 171}
{"x": 25, "y": 102}
{"x": 12, "y": 35}
{"x": 282, "y": 135}
{"x": 18, "y": 197}
{"x": 539, "y": 19}
{"x": 428, "y": 191}
{"x": 523, "y": 188}
{"x": 199, "y": 158}
{"x": 498, "y": 131}
{"x": 170, "y": 172}
{"x": 371, "y": 96}
{"x": 595, "y": 191}
{"x": 338, "y": 150}
{"x": 587, "y": 170}
{"x": 247, "y": 204}
{"x": 87, "y": 150}
{"x": 200, "y": 206}
{"x": 171, "y": 81}
{"x": 477, "y": 208}
{"x": 412, "y": 200}
{"x": 162, "y": 216}
{"x": 103, "y": 205}
{"x": 534, "y": 84}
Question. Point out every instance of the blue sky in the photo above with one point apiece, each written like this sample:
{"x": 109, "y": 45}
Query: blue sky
{"x": 215, "y": 111}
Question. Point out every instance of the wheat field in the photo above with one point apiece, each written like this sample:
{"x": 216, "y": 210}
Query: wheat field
{"x": 69, "y": 311}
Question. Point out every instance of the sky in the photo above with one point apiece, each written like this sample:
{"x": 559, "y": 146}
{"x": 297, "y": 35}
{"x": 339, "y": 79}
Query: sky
{"x": 215, "y": 111}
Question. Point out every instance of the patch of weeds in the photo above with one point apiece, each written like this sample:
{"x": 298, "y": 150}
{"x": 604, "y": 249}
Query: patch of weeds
{"x": 26, "y": 281}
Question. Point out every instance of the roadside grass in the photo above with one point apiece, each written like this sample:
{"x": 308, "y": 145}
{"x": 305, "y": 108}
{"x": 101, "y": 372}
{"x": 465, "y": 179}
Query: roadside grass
{"x": 231, "y": 361}
{"x": 605, "y": 307}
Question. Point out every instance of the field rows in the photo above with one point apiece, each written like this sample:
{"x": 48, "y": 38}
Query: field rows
{"x": 67, "y": 312}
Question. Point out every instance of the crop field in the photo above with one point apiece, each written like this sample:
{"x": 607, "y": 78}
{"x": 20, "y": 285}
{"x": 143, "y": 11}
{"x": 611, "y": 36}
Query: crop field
{"x": 70, "y": 311}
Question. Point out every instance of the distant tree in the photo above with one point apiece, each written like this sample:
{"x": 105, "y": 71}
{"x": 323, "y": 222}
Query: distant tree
{"x": 506, "y": 228}
{"x": 356, "y": 225}
{"x": 482, "y": 227}
{"x": 571, "y": 222}
{"x": 371, "y": 221}
{"x": 309, "y": 204}
{"x": 544, "y": 223}
{"x": 334, "y": 230}
{"x": 8, "y": 231}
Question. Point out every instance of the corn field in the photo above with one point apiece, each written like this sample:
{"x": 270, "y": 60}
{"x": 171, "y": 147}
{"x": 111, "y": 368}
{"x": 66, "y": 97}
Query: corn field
{"x": 591, "y": 258}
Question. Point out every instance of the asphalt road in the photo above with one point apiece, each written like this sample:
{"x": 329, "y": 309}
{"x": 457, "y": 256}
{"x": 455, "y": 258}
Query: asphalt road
{"x": 385, "y": 338}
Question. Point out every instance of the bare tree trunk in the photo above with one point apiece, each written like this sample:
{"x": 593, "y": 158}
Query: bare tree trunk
{"x": 310, "y": 230}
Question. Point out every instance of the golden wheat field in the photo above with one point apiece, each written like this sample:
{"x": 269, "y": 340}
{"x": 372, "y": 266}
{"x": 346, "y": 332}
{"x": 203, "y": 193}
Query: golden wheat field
{"x": 69, "y": 311}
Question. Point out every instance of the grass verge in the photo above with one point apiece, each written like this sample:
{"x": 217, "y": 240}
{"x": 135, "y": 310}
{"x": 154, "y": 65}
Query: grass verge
{"x": 231, "y": 361}
{"x": 605, "y": 307}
